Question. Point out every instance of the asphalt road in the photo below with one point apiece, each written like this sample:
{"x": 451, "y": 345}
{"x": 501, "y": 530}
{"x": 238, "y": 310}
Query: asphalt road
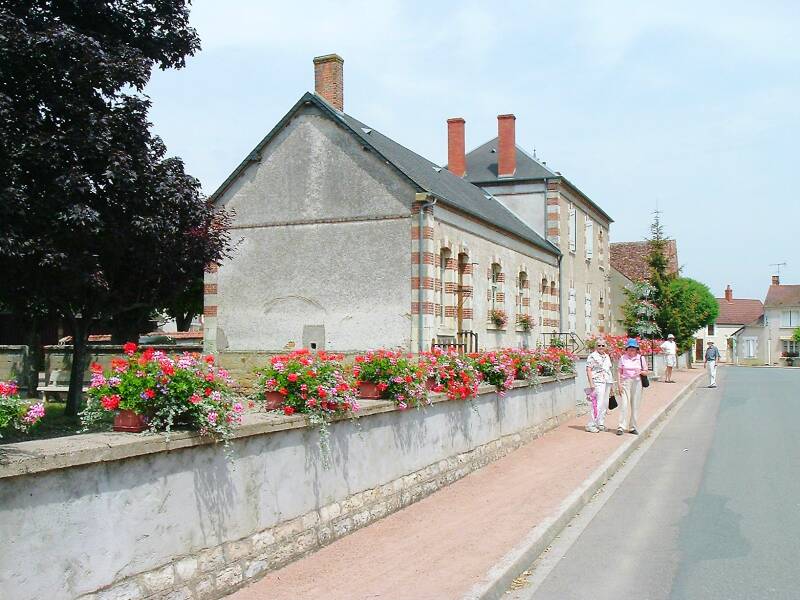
{"x": 711, "y": 510}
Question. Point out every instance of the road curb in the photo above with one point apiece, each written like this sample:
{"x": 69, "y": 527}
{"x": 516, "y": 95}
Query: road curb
{"x": 500, "y": 576}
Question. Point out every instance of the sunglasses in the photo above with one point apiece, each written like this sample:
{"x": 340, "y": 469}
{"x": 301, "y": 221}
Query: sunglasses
{"x": 601, "y": 345}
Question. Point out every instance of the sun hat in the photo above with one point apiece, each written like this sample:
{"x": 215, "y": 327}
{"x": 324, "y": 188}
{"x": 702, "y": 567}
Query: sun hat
{"x": 670, "y": 337}
{"x": 631, "y": 343}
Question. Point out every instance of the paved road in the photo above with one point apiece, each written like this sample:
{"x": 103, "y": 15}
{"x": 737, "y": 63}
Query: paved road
{"x": 710, "y": 511}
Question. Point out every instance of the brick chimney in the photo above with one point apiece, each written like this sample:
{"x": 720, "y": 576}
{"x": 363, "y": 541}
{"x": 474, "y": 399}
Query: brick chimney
{"x": 507, "y": 147}
{"x": 729, "y": 294}
{"x": 328, "y": 79}
{"x": 776, "y": 280}
{"x": 456, "y": 157}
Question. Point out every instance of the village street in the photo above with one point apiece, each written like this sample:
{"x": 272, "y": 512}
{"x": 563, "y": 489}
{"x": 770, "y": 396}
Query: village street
{"x": 711, "y": 510}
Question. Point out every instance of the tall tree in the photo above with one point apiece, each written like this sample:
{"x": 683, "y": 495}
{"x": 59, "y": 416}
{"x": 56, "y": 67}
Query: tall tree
{"x": 687, "y": 305}
{"x": 657, "y": 259}
{"x": 95, "y": 219}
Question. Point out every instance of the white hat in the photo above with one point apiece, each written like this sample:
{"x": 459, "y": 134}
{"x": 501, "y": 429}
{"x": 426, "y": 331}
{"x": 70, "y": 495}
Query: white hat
{"x": 670, "y": 337}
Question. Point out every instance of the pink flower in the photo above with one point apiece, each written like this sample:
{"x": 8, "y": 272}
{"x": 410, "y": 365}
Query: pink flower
{"x": 195, "y": 399}
{"x": 35, "y": 412}
{"x": 212, "y": 417}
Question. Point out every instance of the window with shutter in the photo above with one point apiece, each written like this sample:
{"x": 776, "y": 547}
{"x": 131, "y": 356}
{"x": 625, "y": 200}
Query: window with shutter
{"x": 571, "y": 303}
{"x": 572, "y": 228}
{"x": 589, "y": 233}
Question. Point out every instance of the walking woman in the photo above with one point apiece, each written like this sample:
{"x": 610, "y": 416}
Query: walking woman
{"x": 601, "y": 378}
{"x": 631, "y": 365}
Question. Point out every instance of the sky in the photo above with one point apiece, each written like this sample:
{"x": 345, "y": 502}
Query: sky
{"x": 691, "y": 108}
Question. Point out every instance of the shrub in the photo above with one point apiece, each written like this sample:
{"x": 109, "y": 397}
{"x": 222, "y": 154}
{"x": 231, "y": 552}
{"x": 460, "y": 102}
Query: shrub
{"x": 14, "y": 412}
{"x": 451, "y": 373}
{"x": 525, "y": 322}
{"x": 186, "y": 390}
{"x": 498, "y": 317}
{"x": 315, "y": 385}
{"x": 398, "y": 377}
{"x": 496, "y": 368}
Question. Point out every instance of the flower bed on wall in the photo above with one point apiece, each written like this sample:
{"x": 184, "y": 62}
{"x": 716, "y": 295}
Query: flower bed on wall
{"x": 151, "y": 391}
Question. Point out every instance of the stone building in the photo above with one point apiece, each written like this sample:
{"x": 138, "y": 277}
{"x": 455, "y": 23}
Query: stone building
{"x": 552, "y": 205}
{"x": 348, "y": 240}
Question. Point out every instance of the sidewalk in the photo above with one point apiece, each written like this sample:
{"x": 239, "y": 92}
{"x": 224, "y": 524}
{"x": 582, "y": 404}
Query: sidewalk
{"x": 444, "y": 545}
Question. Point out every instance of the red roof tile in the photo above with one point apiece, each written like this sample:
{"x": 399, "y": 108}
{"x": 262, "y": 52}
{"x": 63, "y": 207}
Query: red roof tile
{"x": 630, "y": 259}
{"x": 739, "y": 311}
{"x": 783, "y": 295}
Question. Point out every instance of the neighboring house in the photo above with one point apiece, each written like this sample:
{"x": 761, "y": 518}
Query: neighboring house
{"x": 553, "y": 206}
{"x": 781, "y": 318}
{"x": 735, "y": 315}
{"x": 351, "y": 241}
{"x": 628, "y": 265}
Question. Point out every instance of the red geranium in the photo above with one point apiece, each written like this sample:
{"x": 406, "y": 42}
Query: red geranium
{"x": 129, "y": 348}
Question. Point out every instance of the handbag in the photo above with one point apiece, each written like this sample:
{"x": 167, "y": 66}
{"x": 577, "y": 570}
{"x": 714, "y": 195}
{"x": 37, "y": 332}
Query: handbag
{"x": 645, "y": 380}
{"x": 612, "y": 402}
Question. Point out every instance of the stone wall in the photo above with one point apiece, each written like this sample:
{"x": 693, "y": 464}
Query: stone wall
{"x": 145, "y": 517}
{"x": 13, "y": 363}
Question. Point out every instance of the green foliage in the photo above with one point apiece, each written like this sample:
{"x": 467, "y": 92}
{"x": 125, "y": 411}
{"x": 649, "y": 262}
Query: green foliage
{"x": 657, "y": 260}
{"x": 640, "y": 310}
{"x": 95, "y": 219}
{"x": 687, "y": 306}
{"x": 796, "y": 335}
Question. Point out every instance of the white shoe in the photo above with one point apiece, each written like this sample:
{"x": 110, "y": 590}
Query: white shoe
{"x": 592, "y": 429}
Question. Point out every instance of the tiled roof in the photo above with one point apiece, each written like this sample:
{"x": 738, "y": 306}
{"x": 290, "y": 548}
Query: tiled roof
{"x": 630, "y": 258}
{"x": 739, "y": 311}
{"x": 783, "y": 295}
{"x": 423, "y": 174}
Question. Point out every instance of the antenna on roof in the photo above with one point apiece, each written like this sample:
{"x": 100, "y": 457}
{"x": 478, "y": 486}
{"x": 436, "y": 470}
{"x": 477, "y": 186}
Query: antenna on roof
{"x": 778, "y": 266}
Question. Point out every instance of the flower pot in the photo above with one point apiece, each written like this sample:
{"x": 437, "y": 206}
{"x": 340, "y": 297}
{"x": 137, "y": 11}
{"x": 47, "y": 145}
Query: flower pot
{"x": 127, "y": 420}
{"x": 368, "y": 390}
{"x": 273, "y": 400}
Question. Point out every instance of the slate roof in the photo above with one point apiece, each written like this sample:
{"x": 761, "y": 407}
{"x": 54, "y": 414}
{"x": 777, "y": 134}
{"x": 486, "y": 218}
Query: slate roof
{"x": 782, "y": 295}
{"x": 425, "y": 175}
{"x": 630, "y": 258}
{"x": 482, "y": 169}
{"x": 739, "y": 311}
{"x": 482, "y": 165}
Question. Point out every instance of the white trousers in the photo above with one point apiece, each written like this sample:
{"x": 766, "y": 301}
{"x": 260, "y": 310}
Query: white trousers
{"x": 603, "y": 390}
{"x": 712, "y": 372}
{"x": 629, "y": 403}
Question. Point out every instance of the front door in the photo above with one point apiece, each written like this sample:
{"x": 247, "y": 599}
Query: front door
{"x": 698, "y": 349}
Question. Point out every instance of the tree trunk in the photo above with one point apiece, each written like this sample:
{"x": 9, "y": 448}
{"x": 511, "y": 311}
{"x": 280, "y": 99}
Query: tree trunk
{"x": 35, "y": 359}
{"x": 184, "y": 320}
{"x": 80, "y": 355}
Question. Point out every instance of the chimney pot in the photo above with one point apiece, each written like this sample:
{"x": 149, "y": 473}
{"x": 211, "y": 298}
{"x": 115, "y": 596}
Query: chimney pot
{"x": 329, "y": 79}
{"x": 729, "y": 294}
{"x": 456, "y": 157}
{"x": 507, "y": 146}
{"x": 776, "y": 280}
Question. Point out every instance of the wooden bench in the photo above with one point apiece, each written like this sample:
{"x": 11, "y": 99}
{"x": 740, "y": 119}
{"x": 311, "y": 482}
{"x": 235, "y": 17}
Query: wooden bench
{"x": 56, "y": 385}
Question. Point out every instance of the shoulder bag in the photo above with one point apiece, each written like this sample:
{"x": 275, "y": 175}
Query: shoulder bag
{"x": 645, "y": 380}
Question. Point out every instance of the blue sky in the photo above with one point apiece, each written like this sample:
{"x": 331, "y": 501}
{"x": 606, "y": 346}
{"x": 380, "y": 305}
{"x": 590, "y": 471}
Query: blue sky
{"x": 691, "y": 106}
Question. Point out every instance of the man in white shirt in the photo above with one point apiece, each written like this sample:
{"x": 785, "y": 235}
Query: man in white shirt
{"x": 670, "y": 350}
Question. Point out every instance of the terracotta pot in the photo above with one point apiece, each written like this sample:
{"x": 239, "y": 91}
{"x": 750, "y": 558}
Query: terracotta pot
{"x": 368, "y": 390}
{"x": 127, "y": 420}
{"x": 274, "y": 400}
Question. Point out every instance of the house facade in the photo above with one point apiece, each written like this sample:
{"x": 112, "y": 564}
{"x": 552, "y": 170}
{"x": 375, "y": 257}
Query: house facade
{"x": 735, "y": 314}
{"x": 554, "y": 207}
{"x": 348, "y": 241}
{"x": 781, "y": 318}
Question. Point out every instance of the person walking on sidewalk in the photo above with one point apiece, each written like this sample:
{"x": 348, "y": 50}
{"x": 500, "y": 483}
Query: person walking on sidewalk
{"x": 712, "y": 356}
{"x": 601, "y": 378}
{"x": 670, "y": 350}
{"x": 631, "y": 367}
